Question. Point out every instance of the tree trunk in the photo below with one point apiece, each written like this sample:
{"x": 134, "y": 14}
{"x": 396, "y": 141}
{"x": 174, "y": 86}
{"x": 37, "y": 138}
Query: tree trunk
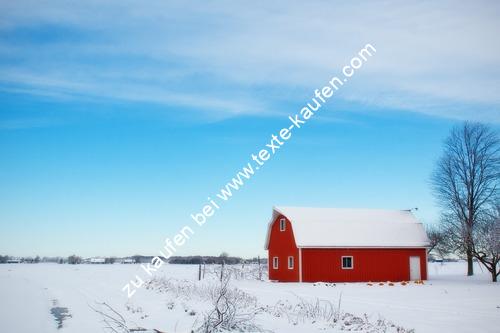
{"x": 494, "y": 274}
{"x": 470, "y": 263}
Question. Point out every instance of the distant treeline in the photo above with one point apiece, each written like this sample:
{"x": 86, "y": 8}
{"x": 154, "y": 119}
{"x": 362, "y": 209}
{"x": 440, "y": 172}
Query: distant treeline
{"x": 205, "y": 260}
{"x": 73, "y": 259}
{"x": 8, "y": 259}
{"x": 138, "y": 259}
{"x": 211, "y": 260}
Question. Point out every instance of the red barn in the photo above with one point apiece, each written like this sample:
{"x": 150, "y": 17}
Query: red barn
{"x": 345, "y": 245}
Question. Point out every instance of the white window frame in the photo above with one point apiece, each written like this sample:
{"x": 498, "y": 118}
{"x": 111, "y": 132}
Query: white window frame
{"x": 342, "y": 262}
{"x": 292, "y": 262}
{"x": 276, "y": 263}
{"x": 282, "y": 224}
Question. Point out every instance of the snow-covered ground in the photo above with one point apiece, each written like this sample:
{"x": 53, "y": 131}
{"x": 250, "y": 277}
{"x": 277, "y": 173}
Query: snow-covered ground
{"x": 447, "y": 302}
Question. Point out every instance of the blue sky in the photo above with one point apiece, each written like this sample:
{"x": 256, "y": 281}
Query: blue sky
{"x": 117, "y": 120}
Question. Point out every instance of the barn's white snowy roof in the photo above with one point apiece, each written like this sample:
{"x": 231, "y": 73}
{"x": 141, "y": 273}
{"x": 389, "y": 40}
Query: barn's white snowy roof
{"x": 341, "y": 227}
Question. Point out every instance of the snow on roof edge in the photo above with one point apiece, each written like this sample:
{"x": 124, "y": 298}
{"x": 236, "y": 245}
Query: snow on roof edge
{"x": 362, "y": 225}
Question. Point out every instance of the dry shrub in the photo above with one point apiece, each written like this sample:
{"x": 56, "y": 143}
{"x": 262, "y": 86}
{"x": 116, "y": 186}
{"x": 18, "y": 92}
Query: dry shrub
{"x": 324, "y": 312}
{"x": 233, "y": 310}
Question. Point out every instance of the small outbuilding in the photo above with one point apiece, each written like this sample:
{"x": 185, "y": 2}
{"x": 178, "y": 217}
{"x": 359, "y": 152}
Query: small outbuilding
{"x": 345, "y": 245}
{"x": 97, "y": 260}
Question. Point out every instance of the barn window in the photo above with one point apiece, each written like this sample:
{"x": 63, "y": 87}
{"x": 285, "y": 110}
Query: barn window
{"x": 347, "y": 263}
{"x": 282, "y": 224}
{"x": 275, "y": 262}
{"x": 290, "y": 262}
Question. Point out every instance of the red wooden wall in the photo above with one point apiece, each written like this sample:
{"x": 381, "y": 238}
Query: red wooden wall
{"x": 369, "y": 265}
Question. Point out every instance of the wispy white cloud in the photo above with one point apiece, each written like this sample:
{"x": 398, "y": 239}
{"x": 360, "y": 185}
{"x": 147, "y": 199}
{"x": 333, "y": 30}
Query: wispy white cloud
{"x": 225, "y": 58}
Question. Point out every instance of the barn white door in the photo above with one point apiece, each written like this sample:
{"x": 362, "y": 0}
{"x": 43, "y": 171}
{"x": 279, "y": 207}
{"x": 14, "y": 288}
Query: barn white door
{"x": 415, "y": 268}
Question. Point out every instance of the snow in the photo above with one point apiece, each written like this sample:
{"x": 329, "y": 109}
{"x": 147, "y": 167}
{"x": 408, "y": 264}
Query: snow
{"x": 340, "y": 227}
{"x": 448, "y": 302}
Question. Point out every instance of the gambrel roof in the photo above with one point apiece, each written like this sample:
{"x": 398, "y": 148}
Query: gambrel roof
{"x": 341, "y": 227}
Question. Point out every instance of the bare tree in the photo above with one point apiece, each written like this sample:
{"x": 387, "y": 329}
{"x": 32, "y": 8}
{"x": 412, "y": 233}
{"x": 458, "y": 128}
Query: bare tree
{"x": 4, "y": 259}
{"x": 487, "y": 242}
{"x": 439, "y": 241}
{"x": 436, "y": 236}
{"x": 110, "y": 260}
{"x": 465, "y": 182}
{"x": 74, "y": 260}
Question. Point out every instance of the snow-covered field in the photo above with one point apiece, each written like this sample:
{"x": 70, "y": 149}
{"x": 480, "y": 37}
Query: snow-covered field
{"x": 177, "y": 302}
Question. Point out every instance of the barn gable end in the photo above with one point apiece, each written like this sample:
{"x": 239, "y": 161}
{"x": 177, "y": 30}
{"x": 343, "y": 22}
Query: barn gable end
{"x": 282, "y": 246}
